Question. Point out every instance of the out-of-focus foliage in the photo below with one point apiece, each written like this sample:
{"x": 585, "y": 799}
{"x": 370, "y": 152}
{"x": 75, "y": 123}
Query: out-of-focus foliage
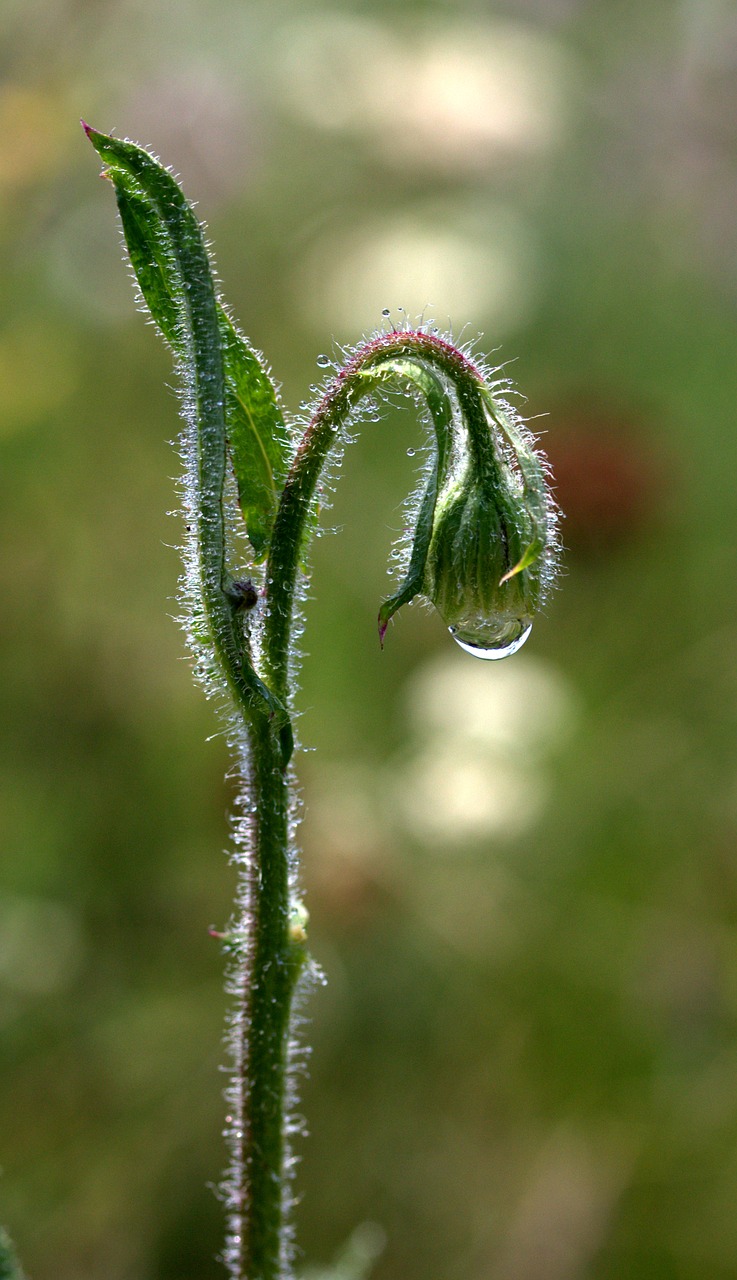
{"x": 9, "y": 1266}
{"x": 522, "y": 880}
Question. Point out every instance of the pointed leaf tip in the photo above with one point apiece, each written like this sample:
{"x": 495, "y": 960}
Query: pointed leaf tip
{"x": 99, "y": 141}
{"x": 383, "y": 624}
{"x": 94, "y": 135}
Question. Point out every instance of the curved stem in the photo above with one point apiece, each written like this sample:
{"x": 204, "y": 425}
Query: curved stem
{"x": 359, "y": 377}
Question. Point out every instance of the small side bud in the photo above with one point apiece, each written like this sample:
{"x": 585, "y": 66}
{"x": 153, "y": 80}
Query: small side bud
{"x": 242, "y": 594}
{"x": 232, "y": 943}
{"x": 298, "y": 919}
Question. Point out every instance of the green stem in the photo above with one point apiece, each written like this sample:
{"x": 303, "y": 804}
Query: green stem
{"x": 264, "y": 978}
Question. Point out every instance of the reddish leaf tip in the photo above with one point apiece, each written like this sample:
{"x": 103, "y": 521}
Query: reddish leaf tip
{"x": 382, "y": 630}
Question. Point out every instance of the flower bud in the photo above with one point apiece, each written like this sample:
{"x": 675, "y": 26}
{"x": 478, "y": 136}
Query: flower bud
{"x": 484, "y": 543}
{"x": 483, "y": 569}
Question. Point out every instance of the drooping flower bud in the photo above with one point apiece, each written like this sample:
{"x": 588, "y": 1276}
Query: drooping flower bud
{"x": 484, "y": 544}
{"x": 492, "y": 546}
{"x": 475, "y": 573}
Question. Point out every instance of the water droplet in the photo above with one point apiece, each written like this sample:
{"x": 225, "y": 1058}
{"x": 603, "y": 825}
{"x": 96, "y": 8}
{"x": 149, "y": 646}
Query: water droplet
{"x": 385, "y": 311}
{"x": 324, "y": 361}
{"x": 493, "y": 641}
{"x": 411, "y": 453}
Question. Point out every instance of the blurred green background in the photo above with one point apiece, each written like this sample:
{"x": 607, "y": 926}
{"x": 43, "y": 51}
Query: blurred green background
{"x": 522, "y": 877}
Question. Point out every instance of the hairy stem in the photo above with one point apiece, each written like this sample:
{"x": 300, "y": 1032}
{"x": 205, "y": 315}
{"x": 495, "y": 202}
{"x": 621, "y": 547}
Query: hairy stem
{"x": 267, "y": 968}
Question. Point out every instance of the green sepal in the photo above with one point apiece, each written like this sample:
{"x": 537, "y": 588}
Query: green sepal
{"x": 10, "y": 1268}
{"x": 535, "y": 486}
{"x": 257, "y": 437}
{"x": 441, "y": 412}
{"x": 528, "y": 558}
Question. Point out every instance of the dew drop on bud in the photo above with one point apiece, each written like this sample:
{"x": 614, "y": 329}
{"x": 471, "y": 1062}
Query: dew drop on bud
{"x": 492, "y": 641}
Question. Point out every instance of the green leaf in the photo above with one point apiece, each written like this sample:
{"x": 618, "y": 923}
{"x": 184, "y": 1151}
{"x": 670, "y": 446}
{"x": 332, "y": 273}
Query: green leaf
{"x": 170, "y": 260}
{"x": 151, "y": 257}
{"x": 356, "y": 1260}
{"x": 9, "y": 1265}
{"x": 257, "y": 437}
{"x": 255, "y": 430}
